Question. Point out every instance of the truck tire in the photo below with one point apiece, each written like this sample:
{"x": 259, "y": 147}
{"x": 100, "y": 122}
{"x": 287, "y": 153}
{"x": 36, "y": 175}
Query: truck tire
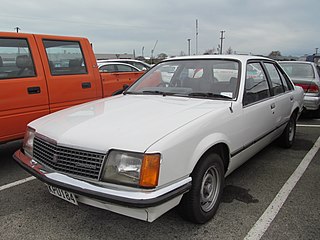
{"x": 200, "y": 204}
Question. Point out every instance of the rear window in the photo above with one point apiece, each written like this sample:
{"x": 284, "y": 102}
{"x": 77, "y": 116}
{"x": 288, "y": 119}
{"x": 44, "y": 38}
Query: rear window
{"x": 298, "y": 70}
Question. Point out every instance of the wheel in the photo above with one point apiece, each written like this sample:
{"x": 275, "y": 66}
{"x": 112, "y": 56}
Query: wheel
{"x": 288, "y": 135}
{"x": 200, "y": 204}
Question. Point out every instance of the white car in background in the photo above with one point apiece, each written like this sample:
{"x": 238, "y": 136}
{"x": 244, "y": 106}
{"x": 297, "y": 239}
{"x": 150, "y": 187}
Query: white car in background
{"x": 111, "y": 67}
{"x": 165, "y": 143}
{"x": 138, "y": 64}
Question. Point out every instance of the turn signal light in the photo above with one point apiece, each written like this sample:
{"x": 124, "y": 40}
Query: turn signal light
{"x": 149, "y": 172}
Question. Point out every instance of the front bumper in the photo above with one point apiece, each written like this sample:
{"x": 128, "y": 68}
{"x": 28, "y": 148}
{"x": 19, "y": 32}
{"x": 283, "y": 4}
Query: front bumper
{"x": 144, "y": 204}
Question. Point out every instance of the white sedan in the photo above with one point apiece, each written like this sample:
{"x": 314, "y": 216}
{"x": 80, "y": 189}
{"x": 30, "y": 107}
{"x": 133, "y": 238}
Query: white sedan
{"x": 165, "y": 143}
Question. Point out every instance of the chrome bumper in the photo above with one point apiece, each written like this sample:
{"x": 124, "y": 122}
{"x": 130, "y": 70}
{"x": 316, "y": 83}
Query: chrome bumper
{"x": 137, "y": 198}
{"x": 311, "y": 102}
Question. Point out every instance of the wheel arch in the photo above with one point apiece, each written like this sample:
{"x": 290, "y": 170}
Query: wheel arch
{"x": 222, "y": 150}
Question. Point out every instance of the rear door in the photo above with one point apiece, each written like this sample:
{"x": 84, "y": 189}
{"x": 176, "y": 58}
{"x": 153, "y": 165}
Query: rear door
{"x": 23, "y": 89}
{"x": 72, "y": 77}
{"x": 281, "y": 90}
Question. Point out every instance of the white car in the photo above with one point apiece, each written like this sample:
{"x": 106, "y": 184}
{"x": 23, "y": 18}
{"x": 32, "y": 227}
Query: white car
{"x": 138, "y": 64}
{"x": 111, "y": 67}
{"x": 165, "y": 143}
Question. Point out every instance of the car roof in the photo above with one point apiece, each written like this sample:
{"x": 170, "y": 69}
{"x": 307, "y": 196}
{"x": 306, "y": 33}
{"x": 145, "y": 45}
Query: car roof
{"x": 242, "y": 58}
{"x": 294, "y": 62}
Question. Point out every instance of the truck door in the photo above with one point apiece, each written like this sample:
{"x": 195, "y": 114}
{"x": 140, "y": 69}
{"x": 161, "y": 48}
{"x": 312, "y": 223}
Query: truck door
{"x": 23, "y": 90}
{"x": 72, "y": 77}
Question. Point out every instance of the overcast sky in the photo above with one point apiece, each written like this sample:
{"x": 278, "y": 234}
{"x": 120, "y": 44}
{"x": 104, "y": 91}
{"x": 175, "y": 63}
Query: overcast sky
{"x": 122, "y": 26}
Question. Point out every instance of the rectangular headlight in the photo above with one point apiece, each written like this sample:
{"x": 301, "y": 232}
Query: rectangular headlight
{"x": 28, "y": 141}
{"x": 130, "y": 168}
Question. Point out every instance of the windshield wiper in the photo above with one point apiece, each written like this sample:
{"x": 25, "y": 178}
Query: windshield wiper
{"x": 208, "y": 95}
{"x": 156, "y": 92}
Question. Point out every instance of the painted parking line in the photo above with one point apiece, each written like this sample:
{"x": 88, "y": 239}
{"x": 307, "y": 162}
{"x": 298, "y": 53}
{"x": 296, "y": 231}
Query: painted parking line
{"x": 261, "y": 226}
{"x": 10, "y": 185}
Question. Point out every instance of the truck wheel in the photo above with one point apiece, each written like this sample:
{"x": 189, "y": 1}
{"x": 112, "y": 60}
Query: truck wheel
{"x": 288, "y": 135}
{"x": 200, "y": 204}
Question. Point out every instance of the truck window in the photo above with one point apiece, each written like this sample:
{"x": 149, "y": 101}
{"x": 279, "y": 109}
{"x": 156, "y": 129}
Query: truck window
{"x": 65, "y": 57}
{"x": 15, "y": 59}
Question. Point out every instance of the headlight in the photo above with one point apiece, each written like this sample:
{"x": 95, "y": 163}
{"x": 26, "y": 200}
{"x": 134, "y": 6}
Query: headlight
{"x": 132, "y": 168}
{"x": 28, "y": 141}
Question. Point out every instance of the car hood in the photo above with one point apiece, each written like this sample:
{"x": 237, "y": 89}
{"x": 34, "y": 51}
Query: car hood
{"x": 130, "y": 122}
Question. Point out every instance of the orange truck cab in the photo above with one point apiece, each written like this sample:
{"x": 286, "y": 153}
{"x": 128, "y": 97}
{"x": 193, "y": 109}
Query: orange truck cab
{"x": 41, "y": 74}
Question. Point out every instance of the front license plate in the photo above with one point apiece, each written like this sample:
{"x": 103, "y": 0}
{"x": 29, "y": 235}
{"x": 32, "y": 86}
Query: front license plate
{"x": 65, "y": 195}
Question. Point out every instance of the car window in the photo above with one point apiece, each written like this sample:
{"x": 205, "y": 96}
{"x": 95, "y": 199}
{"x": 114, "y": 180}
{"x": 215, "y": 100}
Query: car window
{"x": 125, "y": 68}
{"x": 212, "y": 78}
{"x": 298, "y": 70}
{"x": 256, "y": 85}
{"x": 65, "y": 57}
{"x": 15, "y": 59}
{"x": 139, "y": 65}
{"x": 107, "y": 68}
{"x": 276, "y": 83}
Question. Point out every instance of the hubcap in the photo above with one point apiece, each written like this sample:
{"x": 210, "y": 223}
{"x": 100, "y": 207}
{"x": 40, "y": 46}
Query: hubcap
{"x": 210, "y": 188}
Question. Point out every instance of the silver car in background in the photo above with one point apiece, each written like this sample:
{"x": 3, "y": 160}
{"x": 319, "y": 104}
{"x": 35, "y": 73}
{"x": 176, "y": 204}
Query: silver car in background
{"x": 307, "y": 76}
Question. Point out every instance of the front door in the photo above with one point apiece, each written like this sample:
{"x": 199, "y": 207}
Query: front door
{"x": 23, "y": 89}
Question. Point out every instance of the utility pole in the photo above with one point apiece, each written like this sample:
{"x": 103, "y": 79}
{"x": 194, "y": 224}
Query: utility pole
{"x": 197, "y": 33}
{"x": 189, "y": 46}
{"x": 221, "y": 40}
{"x": 17, "y": 29}
{"x": 142, "y": 51}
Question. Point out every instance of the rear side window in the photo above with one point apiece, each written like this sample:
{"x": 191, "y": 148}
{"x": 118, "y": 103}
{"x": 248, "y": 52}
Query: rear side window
{"x": 65, "y": 57}
{"x": 276, "y": 83}
{"x": 15, "y": 59}
{"x": 256, "y": 85}
{"x": 125, "y": 68}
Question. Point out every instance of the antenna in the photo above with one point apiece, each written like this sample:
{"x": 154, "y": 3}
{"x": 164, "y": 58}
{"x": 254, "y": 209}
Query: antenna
{"x": 197, "y": 33}
{"x": 17, "y": 29}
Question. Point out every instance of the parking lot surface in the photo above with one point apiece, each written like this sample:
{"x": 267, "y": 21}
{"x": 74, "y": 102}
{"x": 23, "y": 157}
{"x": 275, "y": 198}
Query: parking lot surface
{"x": 28, "y": 211}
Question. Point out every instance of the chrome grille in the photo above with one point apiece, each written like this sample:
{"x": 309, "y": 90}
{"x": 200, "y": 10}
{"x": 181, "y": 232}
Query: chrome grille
{"x": 68, "y": 160}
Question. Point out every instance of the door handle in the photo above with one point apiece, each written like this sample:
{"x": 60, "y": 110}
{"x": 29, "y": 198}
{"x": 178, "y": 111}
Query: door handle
{"x": 291, "y": 98}
{"x": 86, "y": 85}
{"x": 273, "y": 106}
{"x": 34, "y": 90}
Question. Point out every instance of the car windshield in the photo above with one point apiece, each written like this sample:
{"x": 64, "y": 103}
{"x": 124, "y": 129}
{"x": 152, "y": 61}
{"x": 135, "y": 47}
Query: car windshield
{"x": 209, "y": 78}
{"x": 298, "y": 70}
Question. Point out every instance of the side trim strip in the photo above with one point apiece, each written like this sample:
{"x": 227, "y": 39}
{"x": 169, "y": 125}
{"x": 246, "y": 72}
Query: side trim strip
{"x": 256, "y": 140}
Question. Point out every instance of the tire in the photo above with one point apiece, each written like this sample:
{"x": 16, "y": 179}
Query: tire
{"x": 289, "y": 133}
{"x": 200, "y": 204}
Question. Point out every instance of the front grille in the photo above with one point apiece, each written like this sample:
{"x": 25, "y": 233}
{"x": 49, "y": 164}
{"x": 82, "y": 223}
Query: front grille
{"x": 68, "y": 160}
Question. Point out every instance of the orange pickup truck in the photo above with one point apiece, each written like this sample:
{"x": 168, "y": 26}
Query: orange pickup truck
{"x": 41, "y": 74}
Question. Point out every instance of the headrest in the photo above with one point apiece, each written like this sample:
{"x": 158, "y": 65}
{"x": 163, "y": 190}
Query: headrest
{"x": 1, "y": 62}
{"x": 24, "y": 61}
